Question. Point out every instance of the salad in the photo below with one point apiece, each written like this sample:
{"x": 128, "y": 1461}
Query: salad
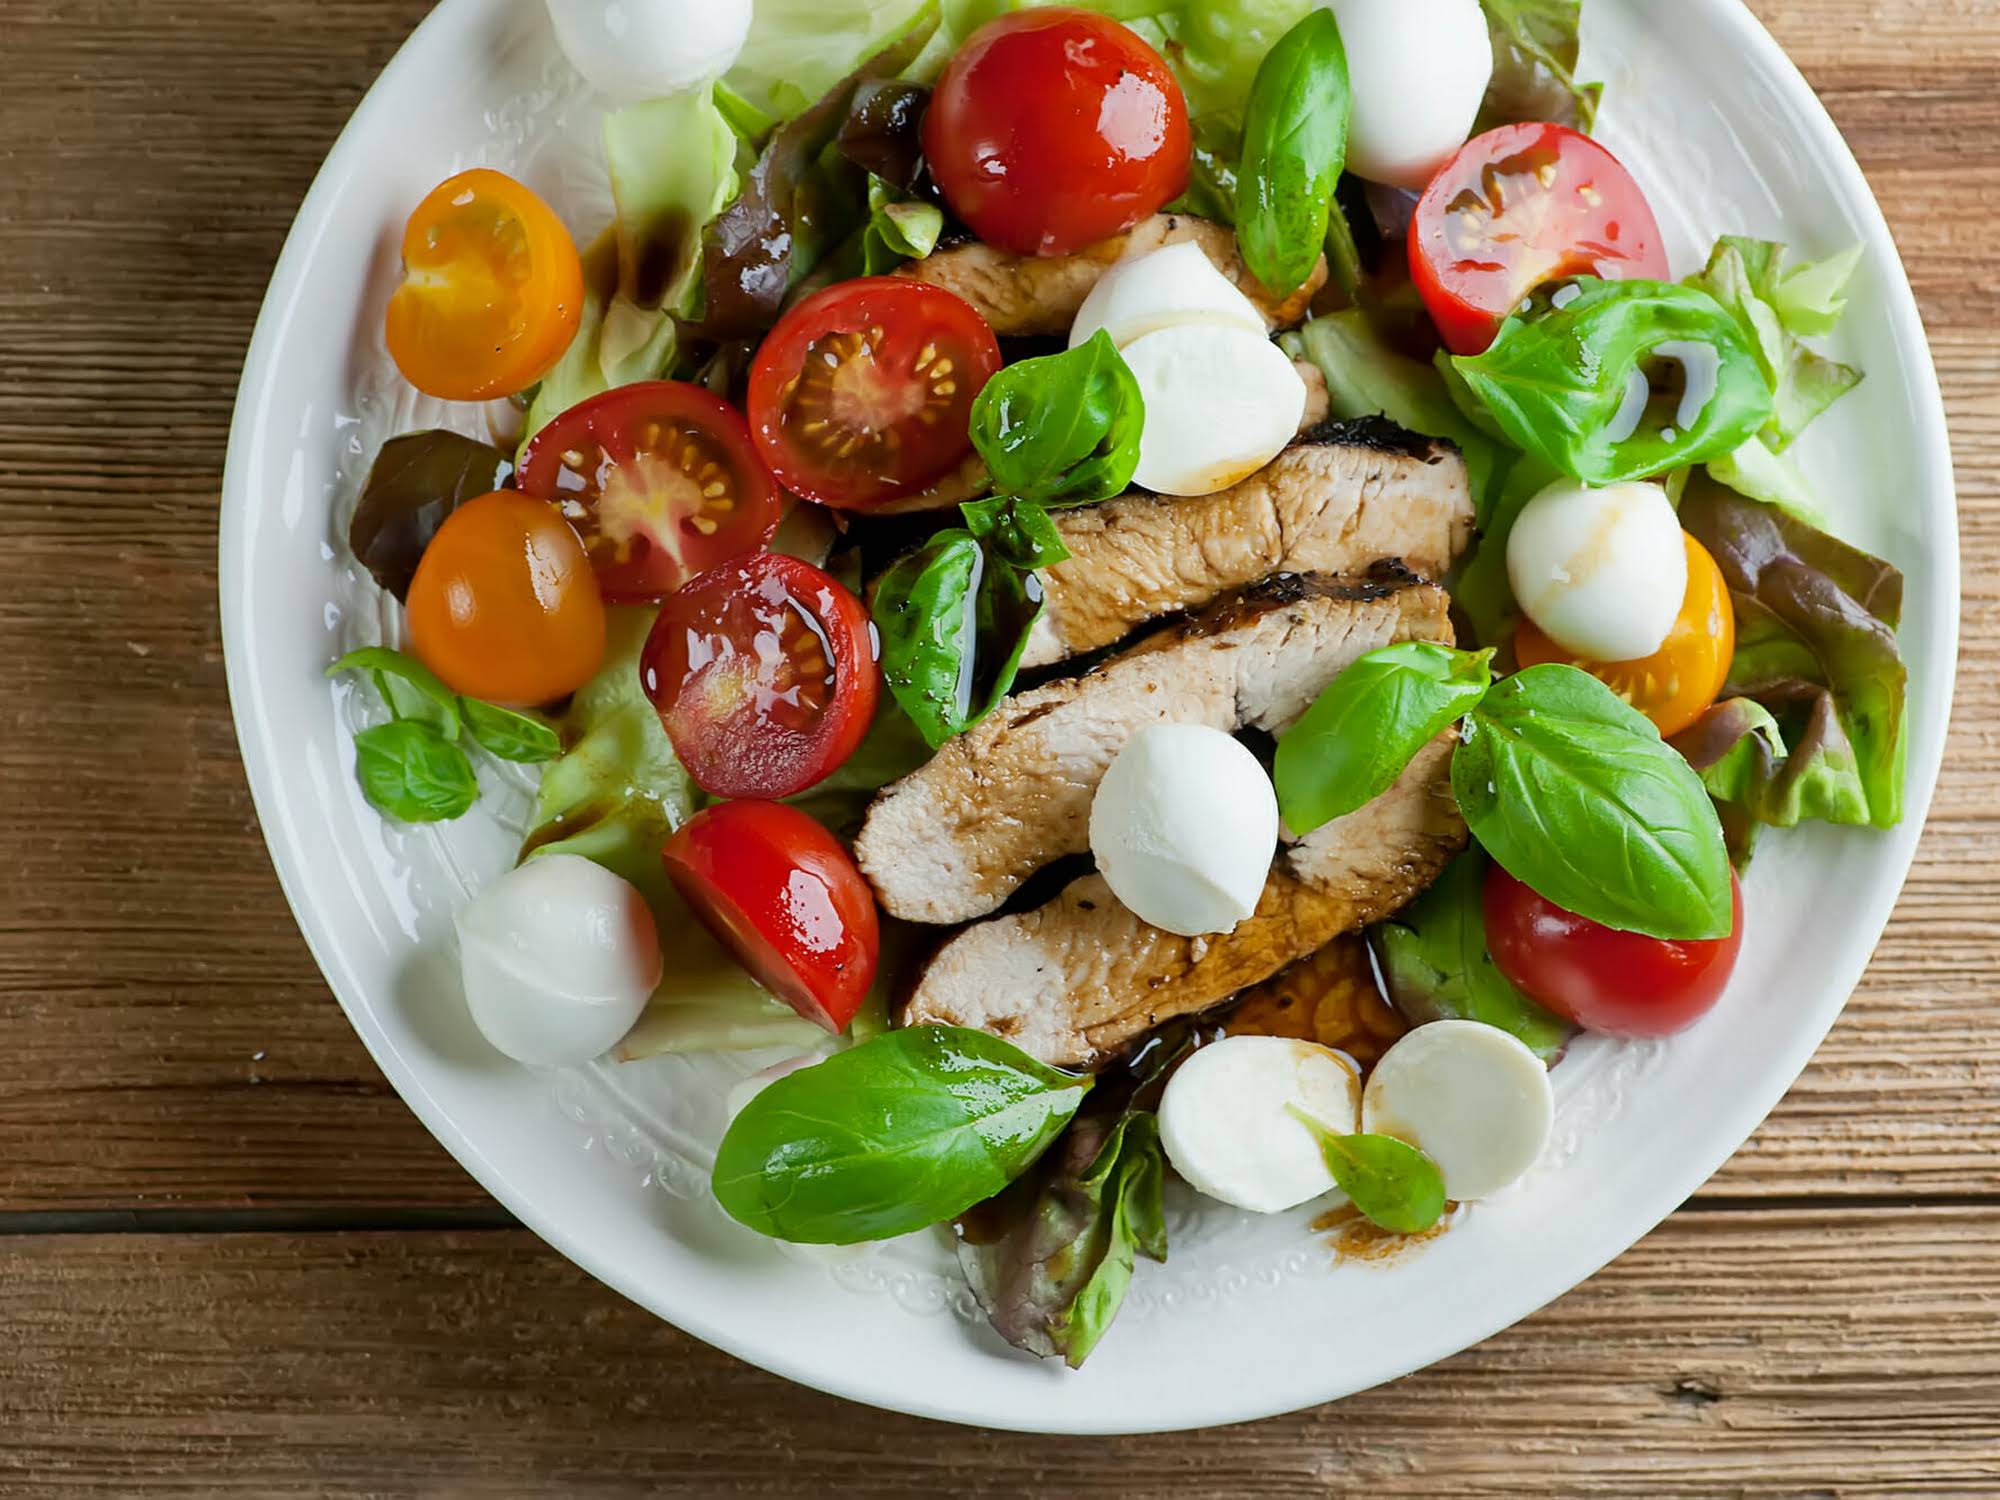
{"x": 1154, "y": 589}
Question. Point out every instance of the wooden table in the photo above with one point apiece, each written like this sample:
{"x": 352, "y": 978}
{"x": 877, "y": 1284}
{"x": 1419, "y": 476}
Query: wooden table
{"x": 231, "y": 1260}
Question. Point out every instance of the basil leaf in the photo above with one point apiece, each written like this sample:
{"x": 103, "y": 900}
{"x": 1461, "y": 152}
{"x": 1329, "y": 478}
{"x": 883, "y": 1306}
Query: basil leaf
{"x": 1391, "y": 1182}
{"x": 410, "y": 771}
{"x": 1363, "y": 730}
{"x": 1063, "y": 429}
{"x": 899, "y": 1133}
{"x": 1019, "y": 532}
{"x": 510, "y": 735}
{"x": 1535, "y": 47}
{"x": 411, "y": 689}
{"x": 1433, "y": 960}
{"x": 415, "y": 482}
{"x": 1575, "y": 794}
{"x": 1567, "y": 384}
{"x": 1294, "y": 148}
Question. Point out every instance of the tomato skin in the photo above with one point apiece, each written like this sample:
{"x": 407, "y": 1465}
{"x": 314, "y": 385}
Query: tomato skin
{"x": 1515, "y": 209}
{"x": 503, "y": 606}
{"x": 1620, "y": 983}
{"x": 763, "y": 671}
{"x": 1052, "y": 129}
{"x": 863, "y": 392}
{"x": 782, "y": 895}
{"x": 492, "y": 290}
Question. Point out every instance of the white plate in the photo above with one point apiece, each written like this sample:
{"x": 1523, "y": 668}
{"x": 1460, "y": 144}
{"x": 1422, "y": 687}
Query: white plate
{"x": 1251, "y": 1317}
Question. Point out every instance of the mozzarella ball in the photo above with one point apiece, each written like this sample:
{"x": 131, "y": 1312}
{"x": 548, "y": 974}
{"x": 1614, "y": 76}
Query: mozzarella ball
{"x": 1227, "y": 1125}
{"x": 1221, "y": 402}
{"x": 635, "y": 50}
{"x": 1184, "y": 825}
{"x": 1164, "y": 288}
{"x": 1418, "y": 70}
{"x": 559, "y": 957}
{"x": 1602, "y": 572}
{"x": 1470, "y": 1096}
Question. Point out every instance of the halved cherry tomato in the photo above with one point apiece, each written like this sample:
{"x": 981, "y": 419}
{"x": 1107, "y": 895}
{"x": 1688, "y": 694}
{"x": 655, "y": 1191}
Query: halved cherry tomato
{"x": 1519, "y": 207}
{"x": 660, "y": 479}
{"x": 492, "y": 290}
{"x": 503, "y": 606}
{"x": 764, "y": 674}
{"x": 782, "y": 895}
{"x": 1053, "y": 129}
{"x": 1676, "y": 684}
{"x": 863, "y": 392}
{"x": 1621, "y": 983}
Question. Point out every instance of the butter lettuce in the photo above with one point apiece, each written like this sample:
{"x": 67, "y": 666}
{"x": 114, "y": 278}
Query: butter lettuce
{"x": 799, "y": 49}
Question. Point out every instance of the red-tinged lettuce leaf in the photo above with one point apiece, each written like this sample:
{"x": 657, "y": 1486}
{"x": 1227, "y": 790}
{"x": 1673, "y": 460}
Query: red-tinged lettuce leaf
{"x": 1760, "y": 780}
{"x": 415, "y": 482}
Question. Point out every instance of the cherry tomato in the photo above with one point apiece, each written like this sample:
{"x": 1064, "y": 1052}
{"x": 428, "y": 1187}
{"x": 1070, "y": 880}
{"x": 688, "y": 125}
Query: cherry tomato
{"x": 1053, "y": 129}
{"x": 782, "y": 895}
{"x": 1519, "y": 207}
{"x": 764, "y": 674}
{"x": 660, "y": 479}
{"x": 492, "y": 290}
{"x": 863, "y": 392}
{"x": 1676, "y": 684}
{"x": 503, "y": 606}
{"x": 1621, "y": 983}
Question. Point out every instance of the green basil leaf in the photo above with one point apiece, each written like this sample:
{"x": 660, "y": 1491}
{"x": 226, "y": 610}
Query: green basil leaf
{"x": 1391, "y": 1182}
{"x": 410, "y": 771}
{"x": 902, "y": 1132}
{"x": 1434, "y": 962}
{"x": 1063, "y": 429}
{"x": 510, "y": 735}
{"x": 1019, "y": 532}
{"x": 1294, "y": 149}
{"x": 1566, "y": 384}
{"x": 411, "y": 689}
{"x": 1573, "y": 791}
{"x": 1364, "y": 729}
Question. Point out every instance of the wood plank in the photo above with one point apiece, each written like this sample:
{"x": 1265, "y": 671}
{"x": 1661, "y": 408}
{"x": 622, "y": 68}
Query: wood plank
{"x": 1747, "y": 1354}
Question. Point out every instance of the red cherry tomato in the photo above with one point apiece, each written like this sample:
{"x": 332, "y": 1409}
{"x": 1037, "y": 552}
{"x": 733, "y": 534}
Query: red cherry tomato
{"x": 781, "y": 894}
{"x": 661, "y": 481}
{"x": 1621, "y": 983}
{"x": 863, "y": 392}
{"x": 764, "y": 674}
{"x": 1519, "y": 207}
{"x": 1053, "y": 129}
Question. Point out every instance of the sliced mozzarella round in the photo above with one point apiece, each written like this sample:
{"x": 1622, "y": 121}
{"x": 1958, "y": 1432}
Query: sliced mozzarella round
{"x": 1227, "y": 1125}
{"x": 1183, "y": 825}
{"x": 1163, "y": 288}
{"x": 559, "y": 957}
{"x": 1221, "y": 403}
{"x": 1602, "y": 572}
{"x": 634, "y": 50}
{"x": 1470, "y": 1096}
{"x": 1419, "y": 70}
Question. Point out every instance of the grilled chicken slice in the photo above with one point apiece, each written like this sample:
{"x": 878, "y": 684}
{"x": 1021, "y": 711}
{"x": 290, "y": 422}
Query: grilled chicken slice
{"x": 952, "y": 841}
{"x": 1025, "y": 296}
{"x": 1075, "y": 981}
{"x": 1344, "y": 496}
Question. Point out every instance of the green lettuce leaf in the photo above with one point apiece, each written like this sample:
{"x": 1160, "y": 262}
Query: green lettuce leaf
{"x": 1739, "y": 750}
{"x": 1535, "y": 45}
{"x": 798, "y": 49}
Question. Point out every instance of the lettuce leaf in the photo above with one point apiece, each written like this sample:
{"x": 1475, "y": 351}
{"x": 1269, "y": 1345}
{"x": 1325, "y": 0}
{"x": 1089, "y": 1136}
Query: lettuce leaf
{"x": 799, "y": 49}
{"x": 1739, "y": 750}
{"x": 1535, "y": 47}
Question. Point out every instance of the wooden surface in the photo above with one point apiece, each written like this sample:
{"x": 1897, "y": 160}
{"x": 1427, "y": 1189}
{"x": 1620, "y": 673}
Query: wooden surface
{"x": 232, "y": 1261}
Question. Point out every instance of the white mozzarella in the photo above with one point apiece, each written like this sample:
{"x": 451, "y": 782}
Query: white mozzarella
{"x": 1602, "y": 572}
{"x": 1418, "y": 71}
{"x": 634, "y": 50}
{"x": 1221, "y": 402}
{"x": 1184, "y": 825}
{"x": 1165, "y": 288}
{"x": 1470, "y": 1096}
{"x": 558, "y": 957}
{"x": 1227, "y": 1125}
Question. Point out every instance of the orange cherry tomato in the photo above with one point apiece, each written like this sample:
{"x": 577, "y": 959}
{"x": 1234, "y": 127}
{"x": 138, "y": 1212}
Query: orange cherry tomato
{"x": 1676, "y": 684}
{"x": 504, "y": 606}
{"x": 492, "y": 290}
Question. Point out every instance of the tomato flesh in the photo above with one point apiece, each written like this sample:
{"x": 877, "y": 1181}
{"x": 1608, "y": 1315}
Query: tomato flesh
{"x": 1621, "y": 983}
{"x": 1515, "y": 209}
{"x": 661, "y": 480}
{"x": 1052, "y": 129}
{"x": 763, "y": 672}
{"x": 782, "y": 895}
{"x": 864, "y": 391}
